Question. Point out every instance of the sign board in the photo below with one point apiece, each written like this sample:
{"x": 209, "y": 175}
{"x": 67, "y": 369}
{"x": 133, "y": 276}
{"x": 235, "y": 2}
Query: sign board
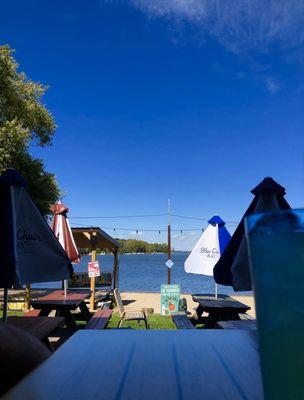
{"x": 93, "y": 268}
{"x": 169, "y": 299}
{"x": 169, "y": 263}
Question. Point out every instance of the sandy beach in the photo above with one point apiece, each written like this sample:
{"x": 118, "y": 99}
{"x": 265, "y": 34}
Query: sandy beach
{"x": 138, "y": 300}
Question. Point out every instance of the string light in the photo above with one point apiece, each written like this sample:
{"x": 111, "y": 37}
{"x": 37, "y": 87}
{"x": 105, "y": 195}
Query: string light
{"x": 181, "y": 231}
{"x": 118, "y": 216}
{"x": 147, "y": 216}
{"x": 137, "y": 230}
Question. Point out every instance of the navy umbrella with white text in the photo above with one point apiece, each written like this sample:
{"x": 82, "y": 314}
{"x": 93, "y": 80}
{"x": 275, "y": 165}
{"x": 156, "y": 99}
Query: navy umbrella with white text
{"x": 29, "y": 250}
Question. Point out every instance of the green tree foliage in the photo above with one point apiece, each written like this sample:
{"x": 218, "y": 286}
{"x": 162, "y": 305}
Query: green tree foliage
{"x": 134, "y": 246}
{"x": 23, "y": 119}
{"x": 140, "y": 246}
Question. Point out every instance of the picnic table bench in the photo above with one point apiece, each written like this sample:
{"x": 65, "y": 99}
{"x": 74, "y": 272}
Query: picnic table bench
{"x": 63, "y": 305}
{"x": 181, "y": 321}
{"x": 248, "y": 324}
{"x": 221, "y": 309}
{"x": 100, "y": 319}
{"x": 40, "y": 327}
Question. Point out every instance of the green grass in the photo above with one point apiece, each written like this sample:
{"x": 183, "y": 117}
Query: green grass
{"x": 12, "y": 313}
{"x": 156, "y": 321}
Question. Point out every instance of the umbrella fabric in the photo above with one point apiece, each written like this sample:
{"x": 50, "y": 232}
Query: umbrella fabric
{"x": 63, "y": 232}
{"x": 208, "y": 249}
{"x": 29, "y": 249}
{"x": 232, "y": 269}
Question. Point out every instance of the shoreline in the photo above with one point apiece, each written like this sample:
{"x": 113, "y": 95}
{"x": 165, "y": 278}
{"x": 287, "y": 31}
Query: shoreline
{"x": 138, "y": 300}
{"x": 132, "y": 300}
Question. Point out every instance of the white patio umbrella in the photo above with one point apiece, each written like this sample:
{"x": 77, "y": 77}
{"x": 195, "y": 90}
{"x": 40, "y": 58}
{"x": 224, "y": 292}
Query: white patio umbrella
{"x": 208, "y": 249}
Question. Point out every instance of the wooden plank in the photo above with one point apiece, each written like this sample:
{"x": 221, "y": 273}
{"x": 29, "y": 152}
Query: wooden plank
{"x": 55, "y": 304}
{"x": 99, "y": 320}
{"x": 221, "y": 304}
{"x": 56, "y": 300}
{"x": 186, "y": 364}
{"x": 32, "y": 313}
{"x": 58, "y": 295}
{"x": 243, "y": 324}
{"x": 40, "y": 327}
{"x": 182, "y": 322}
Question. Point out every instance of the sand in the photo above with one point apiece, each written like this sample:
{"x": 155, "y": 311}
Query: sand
{"x": 137, "y": 301}
{"x": 131, "y": 300}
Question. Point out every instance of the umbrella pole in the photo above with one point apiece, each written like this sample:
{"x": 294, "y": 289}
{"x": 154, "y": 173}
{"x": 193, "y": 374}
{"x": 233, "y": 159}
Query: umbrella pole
{"x": 215, "y": 291}
{"x": 65, "y": 287}
{"x": 5, "y": 302}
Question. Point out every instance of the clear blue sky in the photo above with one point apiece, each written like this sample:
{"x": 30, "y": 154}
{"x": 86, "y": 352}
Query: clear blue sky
{"x": 166, "y": 99}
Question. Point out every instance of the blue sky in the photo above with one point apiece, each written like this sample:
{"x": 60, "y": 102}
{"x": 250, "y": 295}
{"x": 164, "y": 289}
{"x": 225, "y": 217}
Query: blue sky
{"x": 193, "y": 101}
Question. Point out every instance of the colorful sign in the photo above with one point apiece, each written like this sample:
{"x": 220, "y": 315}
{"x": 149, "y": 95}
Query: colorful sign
{"x": 169, "y": 299}
{"x": 93, "y": 268}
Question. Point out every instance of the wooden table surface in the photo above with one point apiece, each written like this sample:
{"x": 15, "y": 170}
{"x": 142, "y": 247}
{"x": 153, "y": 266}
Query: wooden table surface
{"x": 130, "y": 364}
{"x": 249, "y": 324}
{"x": 40, "y": 327}
{"x": 63, "y": 305}
{"x": 72, "y": 300}
{"x": 222, "y": 304}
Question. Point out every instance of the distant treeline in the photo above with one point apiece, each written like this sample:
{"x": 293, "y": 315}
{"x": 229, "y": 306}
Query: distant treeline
{"x": 134, "y": 246}
{"x": 140, "y": 246}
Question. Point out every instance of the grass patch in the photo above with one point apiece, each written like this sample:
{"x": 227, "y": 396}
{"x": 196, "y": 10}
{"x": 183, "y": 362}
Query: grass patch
{"x": 156, "y": 321}
{"x": 12, "y": 313}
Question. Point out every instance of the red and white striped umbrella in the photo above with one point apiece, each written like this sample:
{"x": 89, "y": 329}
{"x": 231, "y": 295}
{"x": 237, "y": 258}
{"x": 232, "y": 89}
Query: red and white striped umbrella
{"x": 63, "y": 232}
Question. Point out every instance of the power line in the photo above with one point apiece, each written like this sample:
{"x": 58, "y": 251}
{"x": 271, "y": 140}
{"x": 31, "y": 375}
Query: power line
{"x": 201, "y": 219}
{"x": 147, "y": 216}
{"x": 119, "y": 216}
{"x": 161, "y": 230}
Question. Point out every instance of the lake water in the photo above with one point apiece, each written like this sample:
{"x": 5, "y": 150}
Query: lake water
{"x": 146, "y": 272}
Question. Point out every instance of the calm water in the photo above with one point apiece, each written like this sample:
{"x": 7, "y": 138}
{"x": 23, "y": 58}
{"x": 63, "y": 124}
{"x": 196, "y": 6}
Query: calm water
{"x": 146, "y": 272}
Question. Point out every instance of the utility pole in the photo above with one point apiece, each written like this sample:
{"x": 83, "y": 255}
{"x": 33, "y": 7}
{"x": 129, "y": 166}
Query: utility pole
{"x": 169, "y": 240}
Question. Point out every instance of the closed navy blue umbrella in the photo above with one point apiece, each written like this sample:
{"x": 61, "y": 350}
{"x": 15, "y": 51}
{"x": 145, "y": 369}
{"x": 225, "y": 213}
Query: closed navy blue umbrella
{"x": 29, "y": 250}
{"x": 232, "y": 269}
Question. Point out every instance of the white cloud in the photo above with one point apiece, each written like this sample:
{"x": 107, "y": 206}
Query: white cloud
{"x": 272, "y": 85}
{"x": 239, "y": 25}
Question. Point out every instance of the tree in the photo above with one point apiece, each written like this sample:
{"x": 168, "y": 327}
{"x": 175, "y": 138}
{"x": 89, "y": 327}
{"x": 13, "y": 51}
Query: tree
{"x": 23, "y": 119}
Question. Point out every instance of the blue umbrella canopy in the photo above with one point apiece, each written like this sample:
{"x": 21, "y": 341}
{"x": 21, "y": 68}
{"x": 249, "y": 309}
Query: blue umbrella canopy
{"x": 232, "y": 269}
{"x": 29, "y": 250}
{"x": 223, "y": 235}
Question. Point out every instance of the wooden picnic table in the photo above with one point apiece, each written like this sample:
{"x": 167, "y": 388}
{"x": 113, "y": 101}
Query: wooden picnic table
{"x": 63, "y": 305}
{"x": 220, "y": 309}
{"x": 40, "y": 327}
{"x": 249, "y": 324}
{"x": 186, "y": 364}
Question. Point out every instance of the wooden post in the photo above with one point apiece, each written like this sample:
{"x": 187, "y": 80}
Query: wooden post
{"x": 169, "y": 253}
{"x": 169, "y": 240}
{"x": 27, "y": 298}
{"x": 5, "y": 305}
{"x": 93, "y": 258}
{"x": 116, "y": 269}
